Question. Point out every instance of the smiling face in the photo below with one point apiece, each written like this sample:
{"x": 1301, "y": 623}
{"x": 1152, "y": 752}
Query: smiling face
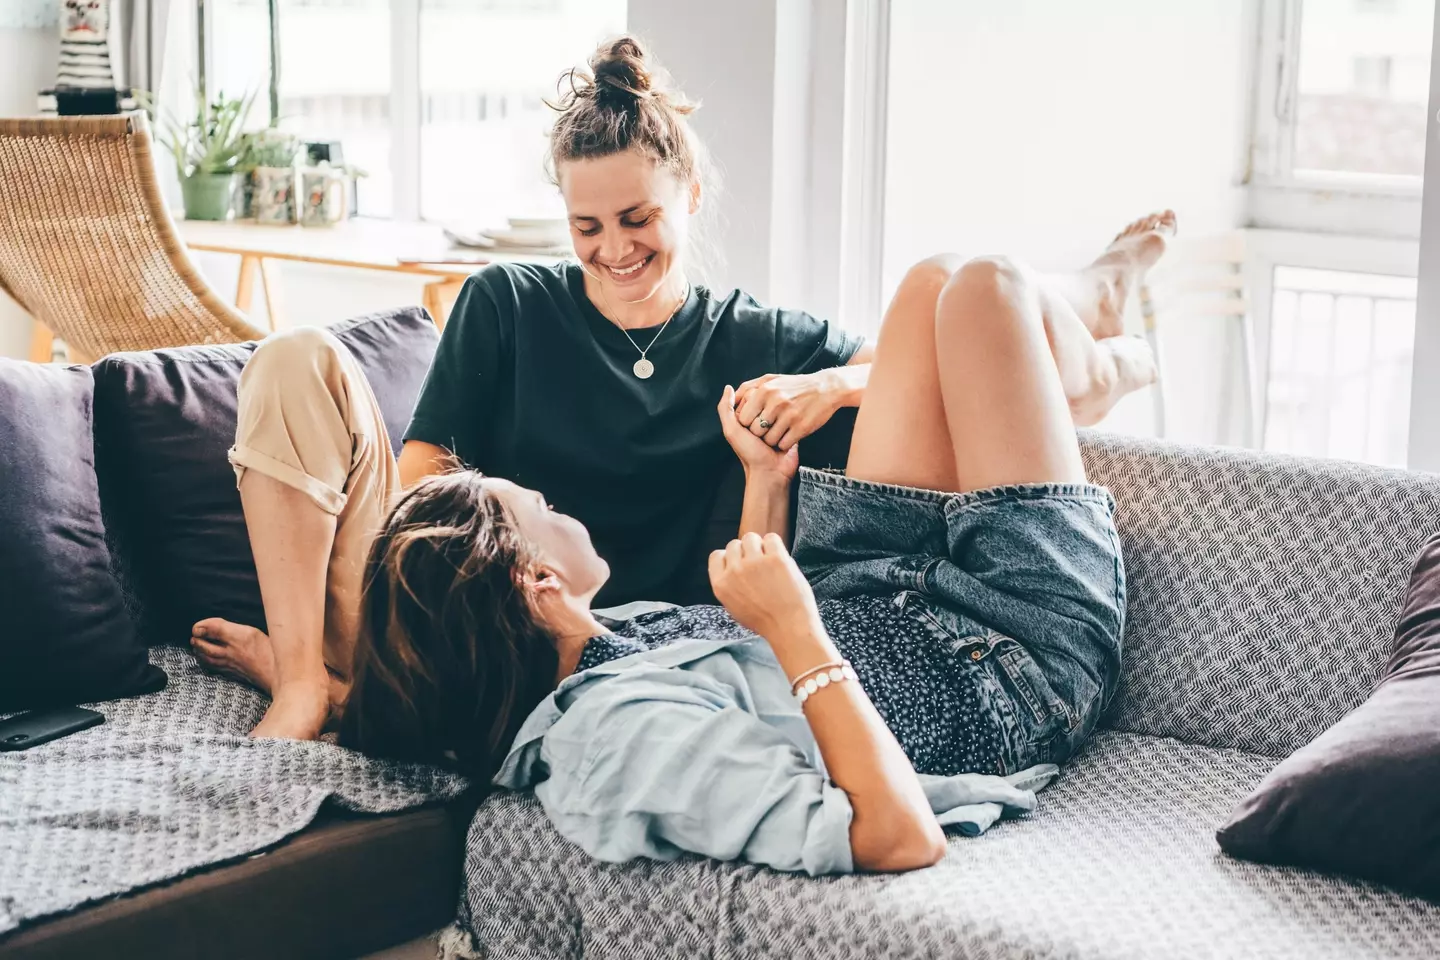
{"x": 630, "y": 222}
{"x": 562, "y": 542}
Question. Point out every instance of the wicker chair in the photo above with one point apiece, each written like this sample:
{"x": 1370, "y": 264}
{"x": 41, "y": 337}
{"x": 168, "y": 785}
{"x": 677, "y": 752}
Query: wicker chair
{"x": 88, "y": 248}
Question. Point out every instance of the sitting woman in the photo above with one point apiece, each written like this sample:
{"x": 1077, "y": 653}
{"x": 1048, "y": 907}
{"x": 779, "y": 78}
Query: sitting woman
{"x": 954, "y": 605}
{"x": 594, "y": 380}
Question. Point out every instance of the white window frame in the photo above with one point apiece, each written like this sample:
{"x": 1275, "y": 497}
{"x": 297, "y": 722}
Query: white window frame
{"x": 1368, "y": 205}
{"x": 1424, "y": 453}
{"x": 862, "y": 200}
{"x": 1351, "y": 223}
{"x": 405, "y": 109}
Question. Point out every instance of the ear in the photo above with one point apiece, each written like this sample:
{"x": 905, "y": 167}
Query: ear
{"x": 544, "y": 583}
{"x": 696, "y": 195}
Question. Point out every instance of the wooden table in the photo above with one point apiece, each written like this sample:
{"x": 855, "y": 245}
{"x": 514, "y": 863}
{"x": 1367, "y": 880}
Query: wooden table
{"x": 418, "y": 249}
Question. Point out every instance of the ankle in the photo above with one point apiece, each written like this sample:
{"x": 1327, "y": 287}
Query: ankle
{"x": 303, "y": 689}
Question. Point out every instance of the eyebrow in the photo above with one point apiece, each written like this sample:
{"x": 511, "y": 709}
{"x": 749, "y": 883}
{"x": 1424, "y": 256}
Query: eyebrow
{"x": 623, "y": 213}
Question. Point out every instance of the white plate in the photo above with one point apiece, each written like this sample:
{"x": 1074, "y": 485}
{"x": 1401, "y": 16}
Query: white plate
{"x": 524, "y": 238}
{"x": 551, "y": 225}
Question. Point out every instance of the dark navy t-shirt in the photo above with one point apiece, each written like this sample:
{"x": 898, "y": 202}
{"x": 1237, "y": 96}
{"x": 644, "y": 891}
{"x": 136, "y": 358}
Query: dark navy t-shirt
{"x": 533, "y": 384}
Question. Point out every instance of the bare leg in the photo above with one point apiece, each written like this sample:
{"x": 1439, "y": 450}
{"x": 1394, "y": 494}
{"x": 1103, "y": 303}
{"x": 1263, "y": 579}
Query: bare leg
{"x": 1098, "y": 293}
{"x": 1005, "y": 406}
{"x": 1098, "y": 364}
{"x": 292, "y": 540}
{"x": 902, "y": 434}
{"x": 316, "y": 474}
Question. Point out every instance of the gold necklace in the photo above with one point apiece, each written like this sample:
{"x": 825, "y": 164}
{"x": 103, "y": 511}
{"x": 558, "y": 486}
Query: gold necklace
{"x": 643, "y": 368}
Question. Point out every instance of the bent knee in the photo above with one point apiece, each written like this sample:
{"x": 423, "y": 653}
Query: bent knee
{"x": 985, "y": 283}
{"x": 991, "y": 275}
{"x": 293, "y": 353}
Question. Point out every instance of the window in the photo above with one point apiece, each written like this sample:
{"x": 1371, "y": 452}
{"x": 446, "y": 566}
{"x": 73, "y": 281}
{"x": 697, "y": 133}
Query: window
{"x": 439, "y": 102}
{"x": 1344, "y": 87}
{"x": 486, "y": 69}
{"x": 1339, "y": 157}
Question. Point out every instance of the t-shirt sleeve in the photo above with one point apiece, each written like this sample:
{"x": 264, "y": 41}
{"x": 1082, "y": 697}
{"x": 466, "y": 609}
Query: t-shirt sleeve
{"x": 459, "y": 389}
{"x": 804, "y": 344}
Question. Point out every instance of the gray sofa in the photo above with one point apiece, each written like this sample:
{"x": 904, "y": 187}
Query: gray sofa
{"x": 1263, "y": 594}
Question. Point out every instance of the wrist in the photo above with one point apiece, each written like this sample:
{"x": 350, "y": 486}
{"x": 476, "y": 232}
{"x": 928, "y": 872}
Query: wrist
{"x": 843, "y": 387}
{"x": 802, "y": 642}
{"x": 768, "y": 477}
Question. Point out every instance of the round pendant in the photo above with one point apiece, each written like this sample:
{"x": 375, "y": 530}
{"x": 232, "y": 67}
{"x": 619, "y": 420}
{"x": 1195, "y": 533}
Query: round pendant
{"x": 644, "y": 369}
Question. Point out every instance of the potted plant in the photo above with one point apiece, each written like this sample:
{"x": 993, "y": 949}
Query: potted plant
{"x": 207, "y": 151}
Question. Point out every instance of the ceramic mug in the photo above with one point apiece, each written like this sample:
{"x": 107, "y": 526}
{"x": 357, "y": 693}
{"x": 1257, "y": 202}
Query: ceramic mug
{"x": 323, "y": 200}
{"x": 274, "y": 195}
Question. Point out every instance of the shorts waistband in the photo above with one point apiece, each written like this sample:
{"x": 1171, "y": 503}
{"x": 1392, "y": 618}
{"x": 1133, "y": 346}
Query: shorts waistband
{"x": 1009, "y": 491}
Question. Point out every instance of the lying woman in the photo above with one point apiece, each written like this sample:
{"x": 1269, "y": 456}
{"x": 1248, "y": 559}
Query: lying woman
{"x": 954, "y": 605}
{"x": 594, "y": 380}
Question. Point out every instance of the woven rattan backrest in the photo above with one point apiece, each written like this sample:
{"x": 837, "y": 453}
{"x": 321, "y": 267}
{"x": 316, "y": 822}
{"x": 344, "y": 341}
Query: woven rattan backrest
{"x": 88, "y": 247}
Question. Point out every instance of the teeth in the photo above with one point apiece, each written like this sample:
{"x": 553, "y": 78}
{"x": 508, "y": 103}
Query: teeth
{"x": 629, "y": 270}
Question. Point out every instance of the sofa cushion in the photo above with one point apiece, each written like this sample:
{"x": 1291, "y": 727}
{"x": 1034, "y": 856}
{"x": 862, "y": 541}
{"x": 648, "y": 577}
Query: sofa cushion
{"x": 1363, "y": 798}
{"x": 1263, "y": 589}
{"x": 65, "y": 637}
{"x": 164, "y": 421}
{"x": 1118, "y": 860}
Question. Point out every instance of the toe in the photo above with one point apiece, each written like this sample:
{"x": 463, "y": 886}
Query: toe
{"x": 211, "y": 628}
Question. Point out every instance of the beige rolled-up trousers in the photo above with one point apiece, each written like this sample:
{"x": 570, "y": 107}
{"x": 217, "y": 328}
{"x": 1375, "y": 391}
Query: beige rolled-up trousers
{"x": 309, "y": 419}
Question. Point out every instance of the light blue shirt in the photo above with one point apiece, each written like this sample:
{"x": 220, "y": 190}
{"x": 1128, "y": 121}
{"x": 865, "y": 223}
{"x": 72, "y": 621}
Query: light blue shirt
{"x": 699, "y": 746}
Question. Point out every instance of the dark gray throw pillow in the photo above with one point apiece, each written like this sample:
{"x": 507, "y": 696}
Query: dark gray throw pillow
{"x": 1364, "y": 798}
{"x": 65, "y": 636}
{"x": 164, "y": 422}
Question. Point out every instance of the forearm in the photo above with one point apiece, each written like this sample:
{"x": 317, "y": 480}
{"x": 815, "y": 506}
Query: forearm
{"x": 766, "y": 506}
{"x": 893, "y": 827}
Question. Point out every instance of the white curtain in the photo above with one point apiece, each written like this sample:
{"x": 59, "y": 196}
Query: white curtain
{"x": 144, "y": 25}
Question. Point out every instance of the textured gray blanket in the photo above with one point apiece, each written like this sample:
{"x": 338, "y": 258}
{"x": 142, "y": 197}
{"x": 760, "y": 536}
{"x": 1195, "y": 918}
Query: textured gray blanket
{"x": 169, "y": 784}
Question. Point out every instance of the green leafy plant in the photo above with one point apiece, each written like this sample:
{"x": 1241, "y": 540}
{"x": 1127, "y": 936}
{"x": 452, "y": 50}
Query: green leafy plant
{"x": 270, "y": 148}
{"x": 214, "y": 141}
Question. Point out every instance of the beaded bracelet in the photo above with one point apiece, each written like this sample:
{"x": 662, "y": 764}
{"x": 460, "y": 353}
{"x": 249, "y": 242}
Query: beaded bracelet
{"x": 824, "y": 675}
{"x": 825, "y": 667}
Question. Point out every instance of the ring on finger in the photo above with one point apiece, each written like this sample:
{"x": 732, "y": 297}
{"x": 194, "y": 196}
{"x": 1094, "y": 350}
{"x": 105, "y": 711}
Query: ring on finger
{"x": 765, "y": 424}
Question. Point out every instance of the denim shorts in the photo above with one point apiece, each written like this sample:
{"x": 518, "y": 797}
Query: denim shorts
{"x": 1026, "y": 580}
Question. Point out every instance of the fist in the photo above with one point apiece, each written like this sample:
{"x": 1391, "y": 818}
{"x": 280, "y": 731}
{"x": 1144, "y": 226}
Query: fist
{"x": 759, "y": 583}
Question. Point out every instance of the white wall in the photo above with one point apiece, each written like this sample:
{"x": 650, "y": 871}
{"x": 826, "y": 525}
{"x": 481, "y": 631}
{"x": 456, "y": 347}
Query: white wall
{"x": 723, "y": 54}
{"x": 29, "y": 58}
{"x": 1037, "y": 128}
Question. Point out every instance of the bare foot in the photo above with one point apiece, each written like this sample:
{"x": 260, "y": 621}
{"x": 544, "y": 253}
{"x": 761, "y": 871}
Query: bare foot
{"x": 1128, "y": 364}
{"x": 1122, "y": 266}
{"x": 296, "y": 713}
{"x": 235, "y": 650}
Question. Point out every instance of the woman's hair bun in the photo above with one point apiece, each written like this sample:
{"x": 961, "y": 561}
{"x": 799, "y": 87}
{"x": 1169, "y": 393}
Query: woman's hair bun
{"x": 620, "y": 72}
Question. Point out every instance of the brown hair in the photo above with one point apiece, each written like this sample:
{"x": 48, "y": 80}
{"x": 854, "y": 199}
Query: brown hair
{"x": 624, "y": 103}
{"x": 451, "y": 658}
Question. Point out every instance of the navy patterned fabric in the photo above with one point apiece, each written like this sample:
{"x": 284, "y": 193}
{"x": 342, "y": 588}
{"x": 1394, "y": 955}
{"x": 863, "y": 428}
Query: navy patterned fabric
{"x": 922, "y": 687}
